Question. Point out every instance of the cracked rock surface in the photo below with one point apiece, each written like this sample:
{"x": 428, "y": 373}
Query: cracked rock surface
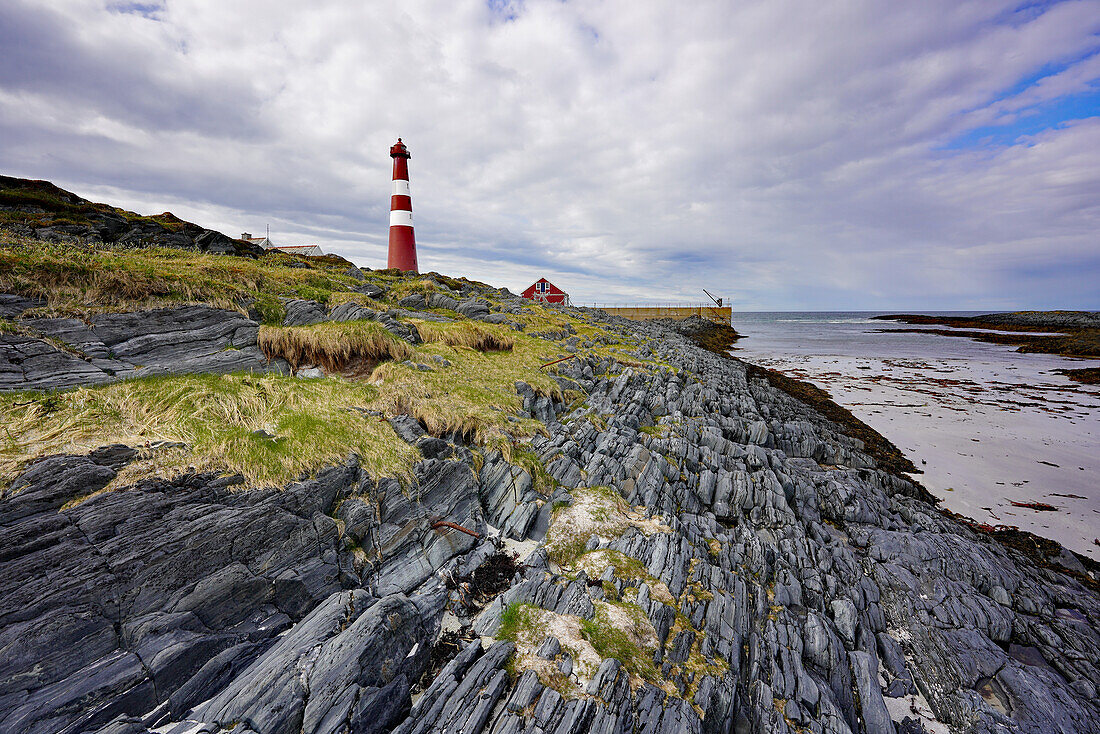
{"x": 66, "y": 352}
{"x": 703, "y": 553}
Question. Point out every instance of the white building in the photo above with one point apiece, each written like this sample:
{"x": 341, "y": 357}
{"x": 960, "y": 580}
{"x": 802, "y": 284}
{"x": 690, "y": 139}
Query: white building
{"x": 267, "y": 244}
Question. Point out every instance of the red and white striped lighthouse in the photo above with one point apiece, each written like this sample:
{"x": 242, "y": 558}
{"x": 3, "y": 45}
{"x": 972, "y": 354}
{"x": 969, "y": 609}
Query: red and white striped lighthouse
{"x": 402, "y": 240}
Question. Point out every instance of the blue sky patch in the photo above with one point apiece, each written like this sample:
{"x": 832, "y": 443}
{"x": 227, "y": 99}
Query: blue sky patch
{"x": 1031, "y": 121}
{"x": 148, "y": 10}
{"x": 1047, "y": 115}
{"x": 504, "y": 10}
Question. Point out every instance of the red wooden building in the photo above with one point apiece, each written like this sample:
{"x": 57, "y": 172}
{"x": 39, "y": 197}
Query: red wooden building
{"x": 544, "y": 290}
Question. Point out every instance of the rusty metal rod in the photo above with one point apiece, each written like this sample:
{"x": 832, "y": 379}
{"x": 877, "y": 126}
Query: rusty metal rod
{"x": 571, "y": 356}
{"x": 454, "y": 526}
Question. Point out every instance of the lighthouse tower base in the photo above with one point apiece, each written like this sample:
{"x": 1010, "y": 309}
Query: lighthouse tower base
{"x": 402, "y": 249}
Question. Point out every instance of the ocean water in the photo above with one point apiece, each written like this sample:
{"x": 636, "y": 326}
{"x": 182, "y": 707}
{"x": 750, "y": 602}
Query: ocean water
{"x": 987, "y": 425}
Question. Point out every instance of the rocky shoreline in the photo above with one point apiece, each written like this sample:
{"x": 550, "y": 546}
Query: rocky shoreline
{"x": 698, "y": 551}
{"x": 1079, "y": 333}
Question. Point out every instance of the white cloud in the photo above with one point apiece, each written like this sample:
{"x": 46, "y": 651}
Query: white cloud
{"x": 787, "y": 154}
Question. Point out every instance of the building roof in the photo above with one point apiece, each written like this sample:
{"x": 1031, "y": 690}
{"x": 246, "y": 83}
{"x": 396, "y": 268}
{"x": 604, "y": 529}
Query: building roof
{"x": 267, "y": 244}
{"x": 553, "y": 288}
{"x": 296, "y": 249}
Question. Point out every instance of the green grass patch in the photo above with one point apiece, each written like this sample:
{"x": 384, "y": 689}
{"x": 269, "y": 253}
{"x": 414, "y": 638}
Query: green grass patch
{"x": 409, "y": 285}
{"x": 627, "y": 644}
{"x": 217, "y": 417}
{"x": 566, "y": 551}
{"x": 475, "y": 397}
{"x": 81, "y": 280}
{"x": 627, "y": 567}
{"x": 518, "y": 619}
{"x": 524, "y": 457}
{"x": 594, "y": 511}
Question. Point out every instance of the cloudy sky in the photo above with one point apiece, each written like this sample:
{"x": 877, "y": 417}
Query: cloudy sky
{"x": 792, "y": 155}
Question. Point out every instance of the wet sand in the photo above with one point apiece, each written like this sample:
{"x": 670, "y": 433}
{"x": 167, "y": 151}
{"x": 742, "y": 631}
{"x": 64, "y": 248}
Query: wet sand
{"x": 987, "y": 428}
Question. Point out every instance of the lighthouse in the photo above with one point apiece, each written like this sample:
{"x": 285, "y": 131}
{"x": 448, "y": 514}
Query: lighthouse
{"x": 402, "y": 240}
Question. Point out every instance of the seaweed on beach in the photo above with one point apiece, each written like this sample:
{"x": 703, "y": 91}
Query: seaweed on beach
{"x": 1084, "y": 375}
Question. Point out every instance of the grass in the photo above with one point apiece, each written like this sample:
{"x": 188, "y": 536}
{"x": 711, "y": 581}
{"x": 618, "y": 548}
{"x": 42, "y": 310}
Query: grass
{"x": 617, "y": 630}
{"x": 524, "y": 457}
{"x": 518, "y": 619}
{"x": 628, "y": 637}
{"x": 82, "y": 280}
{"x": 625, "y": 566}
{"x": 470, "y": 334}
{"x": 409, "y": 285}
{"x": 595, "y": 511}
{"x": 566, "y": 551}
{"x": 270, "y": 308}
{"x": 60, "y": 208}
{"x": 335, "y": 346}
{"x": 474, "y": 397}
{"x": 527, "y": 625}
{"x": 216, "y": 416}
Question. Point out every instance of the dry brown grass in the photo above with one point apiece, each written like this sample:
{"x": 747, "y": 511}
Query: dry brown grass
{"x": 482, "y": 337}
{"x": 333, "y": 346}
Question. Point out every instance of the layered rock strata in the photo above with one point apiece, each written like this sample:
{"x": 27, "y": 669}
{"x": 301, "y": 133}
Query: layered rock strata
{"x": 52, "y": 353}
{"x": 709, "y": 555}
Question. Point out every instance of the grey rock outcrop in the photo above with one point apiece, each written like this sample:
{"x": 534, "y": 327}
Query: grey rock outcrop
{"x": 150, "y": 593}
{"x": 473, "y": 309}
{"x": 65, "y": 352}
{"x": 303, "y": 312}
{"x": 787, "y": 582}
{"x": 137, "y": 605}
{"x": 55, "y": 215}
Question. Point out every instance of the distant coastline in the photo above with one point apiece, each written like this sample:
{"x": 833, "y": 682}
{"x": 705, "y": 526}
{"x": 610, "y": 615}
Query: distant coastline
{"x": 1078, "y": 333}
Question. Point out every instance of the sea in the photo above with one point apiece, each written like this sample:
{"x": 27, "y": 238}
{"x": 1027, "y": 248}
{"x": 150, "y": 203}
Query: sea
{"x": 987, "y": 425}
